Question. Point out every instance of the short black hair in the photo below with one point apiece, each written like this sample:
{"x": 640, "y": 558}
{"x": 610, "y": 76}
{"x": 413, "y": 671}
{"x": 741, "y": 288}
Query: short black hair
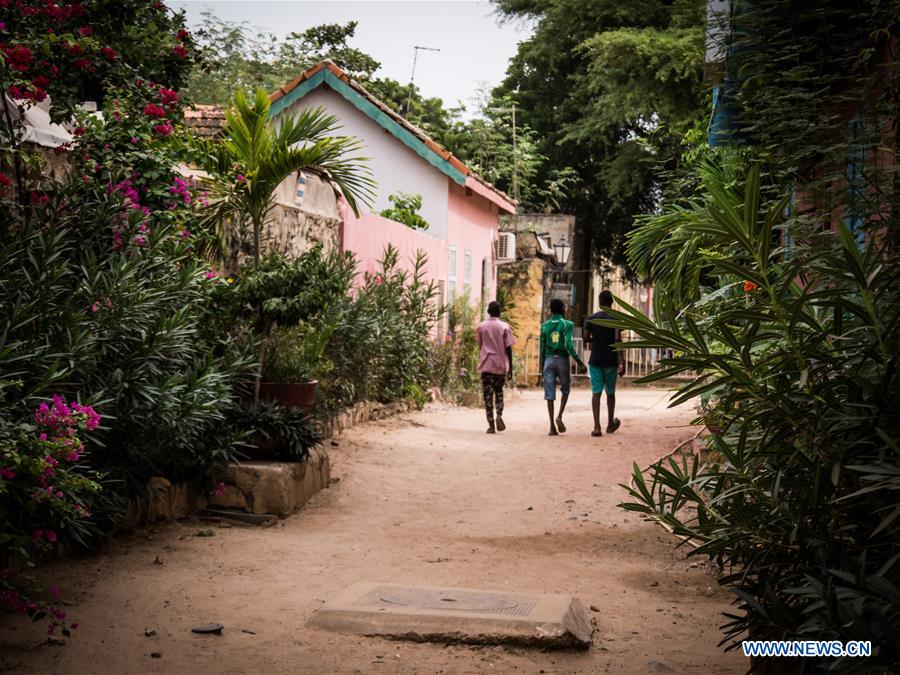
{"x": 557, "y": 306}
{"x": 494, "y": 308}
{"x": 606, "y": 298}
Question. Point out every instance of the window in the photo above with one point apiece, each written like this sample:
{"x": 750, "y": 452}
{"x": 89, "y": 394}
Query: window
{"x": 451, "y": 275}
{"x": 854, "y": 217}
{"x": 300, "y": 190}
{"x": 467, "y": 271}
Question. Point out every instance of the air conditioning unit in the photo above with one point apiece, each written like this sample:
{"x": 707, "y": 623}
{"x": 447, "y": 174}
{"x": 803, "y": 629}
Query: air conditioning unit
{"x": 506, "y": 247}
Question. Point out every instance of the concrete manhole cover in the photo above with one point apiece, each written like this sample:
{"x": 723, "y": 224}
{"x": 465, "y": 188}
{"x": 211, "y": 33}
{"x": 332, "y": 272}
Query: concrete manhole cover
{"x": 474, "y": 602}
{"x": 428, "y": 613}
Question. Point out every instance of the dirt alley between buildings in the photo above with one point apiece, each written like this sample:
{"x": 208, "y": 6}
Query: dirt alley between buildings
{"x": 424, "y": 498}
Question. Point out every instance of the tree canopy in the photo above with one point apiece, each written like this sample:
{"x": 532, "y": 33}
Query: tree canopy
{"x": 610, "y": 89}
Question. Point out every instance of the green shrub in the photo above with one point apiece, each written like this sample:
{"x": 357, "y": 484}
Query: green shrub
{"x": 799, "y": 344}
{"x": 292, "y": 431}
{"x": 382, "y": 335}
{"x": 405, "y": 210}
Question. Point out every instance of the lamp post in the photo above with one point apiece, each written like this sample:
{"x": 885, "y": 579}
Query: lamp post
{"x": 562, "y": 249}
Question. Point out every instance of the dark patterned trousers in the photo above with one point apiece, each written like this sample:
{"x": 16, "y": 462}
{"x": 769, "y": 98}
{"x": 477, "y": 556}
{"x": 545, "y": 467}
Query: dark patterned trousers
{"x": 492, "y": 388}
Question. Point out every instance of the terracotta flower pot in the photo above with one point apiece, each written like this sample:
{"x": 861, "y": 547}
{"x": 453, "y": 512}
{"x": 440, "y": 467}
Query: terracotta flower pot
{"x": 297, "y": 395}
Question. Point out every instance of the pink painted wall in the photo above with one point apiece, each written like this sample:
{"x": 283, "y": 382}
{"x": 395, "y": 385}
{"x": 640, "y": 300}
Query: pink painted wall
{"x": 369, "y": 234}
{"x": 472, "y": 225}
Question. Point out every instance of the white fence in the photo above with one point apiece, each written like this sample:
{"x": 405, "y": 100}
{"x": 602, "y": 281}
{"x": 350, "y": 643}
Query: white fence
{"x": 638, "y": 362}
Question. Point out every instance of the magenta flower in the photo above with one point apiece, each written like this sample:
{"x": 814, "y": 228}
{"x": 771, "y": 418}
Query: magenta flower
{"x": 95, "y": 307}
{"x": 210, "y": 274}
{"x": 153, "y": 110}
{"x": 36, "y": 536}
{"x": 240, "y": 178}
{"x": 50, "y": 536}
{"x": 6, "y": 473}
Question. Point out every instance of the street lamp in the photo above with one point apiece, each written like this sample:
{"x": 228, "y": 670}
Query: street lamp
{"x": 562, "y": 249}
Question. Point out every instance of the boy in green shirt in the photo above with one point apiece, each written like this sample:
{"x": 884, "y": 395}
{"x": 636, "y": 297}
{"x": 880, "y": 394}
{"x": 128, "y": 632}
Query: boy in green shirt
{"x": 556, "y": 347}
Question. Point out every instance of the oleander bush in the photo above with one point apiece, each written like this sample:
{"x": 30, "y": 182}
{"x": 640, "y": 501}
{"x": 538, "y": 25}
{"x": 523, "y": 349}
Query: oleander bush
{"x": 796, "y": 335}
{"x": 381, "y": 337}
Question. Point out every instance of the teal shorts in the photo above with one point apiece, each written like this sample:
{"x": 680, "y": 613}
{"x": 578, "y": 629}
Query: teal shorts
{"x": 603, "y": 378}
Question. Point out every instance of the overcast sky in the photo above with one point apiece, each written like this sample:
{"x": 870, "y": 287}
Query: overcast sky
{"x": 475, "y": 46}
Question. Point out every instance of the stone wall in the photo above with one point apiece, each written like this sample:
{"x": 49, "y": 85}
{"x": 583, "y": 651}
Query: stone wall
{"x": 523, "y": 281}
{"x": 279, "y": 488}
{"x": 292, "y": 231}
{"x": 362, "y": 412}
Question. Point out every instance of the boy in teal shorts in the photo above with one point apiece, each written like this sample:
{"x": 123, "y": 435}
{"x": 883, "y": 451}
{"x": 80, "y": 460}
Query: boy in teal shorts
{"x": 604, "y": 365}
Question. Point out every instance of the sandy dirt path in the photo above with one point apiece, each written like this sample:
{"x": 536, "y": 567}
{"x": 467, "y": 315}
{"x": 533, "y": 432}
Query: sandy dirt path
{"x": 428, "y": 498}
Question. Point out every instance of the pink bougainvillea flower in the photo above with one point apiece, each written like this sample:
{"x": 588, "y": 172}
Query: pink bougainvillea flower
{"x": 95, "y": 308}
{"x": 36, "y": 536}
{"x": 378, "y": 279}
{"x": 109, "y": 53}
{"x": 182, "y": 34}
{"x": 50, "y": 536}
{"x": 240, "y": 178}
{"x": 185, "y": 233}
{"x": 139, "y": 241}
{"x": 6, "y": 473}
{"x": 5, "y": 180}
{"x": 179, "y": 51}
{"x": 210, "y": 274}
{"x": 134, "y": 140}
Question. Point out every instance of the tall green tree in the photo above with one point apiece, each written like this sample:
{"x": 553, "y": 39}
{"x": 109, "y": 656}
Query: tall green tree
{"x": 609, "y": 89}
{"x": 239, "y": 57}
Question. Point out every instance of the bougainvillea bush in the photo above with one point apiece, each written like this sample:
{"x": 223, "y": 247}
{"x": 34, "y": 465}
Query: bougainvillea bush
{"x": 44, "y": 498}
{"x": 102, "y": 293}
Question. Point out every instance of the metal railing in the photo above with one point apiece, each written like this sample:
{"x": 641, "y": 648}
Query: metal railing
{"x": 638, "y": 362}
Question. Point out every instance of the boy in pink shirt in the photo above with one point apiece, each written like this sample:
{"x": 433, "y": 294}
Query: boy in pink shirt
{"x": 495, "y": 339}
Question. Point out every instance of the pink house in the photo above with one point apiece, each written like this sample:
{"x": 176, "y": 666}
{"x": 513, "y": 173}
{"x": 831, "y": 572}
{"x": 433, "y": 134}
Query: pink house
{"x": 462, "y": 210}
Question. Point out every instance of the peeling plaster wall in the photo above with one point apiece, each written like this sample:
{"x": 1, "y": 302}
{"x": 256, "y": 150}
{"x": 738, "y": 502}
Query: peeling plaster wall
{"x": 523, "y": 281}
{"x": 299, "y": 223}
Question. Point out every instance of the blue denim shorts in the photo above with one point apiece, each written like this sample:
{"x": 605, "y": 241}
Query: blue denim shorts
{"x": 556, "y": 368}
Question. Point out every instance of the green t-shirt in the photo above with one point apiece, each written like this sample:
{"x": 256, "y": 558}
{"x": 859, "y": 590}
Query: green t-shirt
{"x": 556, "y": 338}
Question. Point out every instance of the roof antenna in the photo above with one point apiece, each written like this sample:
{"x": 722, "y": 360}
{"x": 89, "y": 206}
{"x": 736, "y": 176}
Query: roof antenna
{"x": 412, "y": 76}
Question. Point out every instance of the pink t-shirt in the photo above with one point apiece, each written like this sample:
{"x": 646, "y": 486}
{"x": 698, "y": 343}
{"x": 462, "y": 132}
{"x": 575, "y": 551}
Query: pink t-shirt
{"x": 494, "y": 336}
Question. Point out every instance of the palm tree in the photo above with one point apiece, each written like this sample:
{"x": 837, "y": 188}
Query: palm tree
{"x": 255, "y": 154}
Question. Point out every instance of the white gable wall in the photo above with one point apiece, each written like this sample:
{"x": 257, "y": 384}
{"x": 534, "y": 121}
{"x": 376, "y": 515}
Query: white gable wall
{"x": 395, "y": 167}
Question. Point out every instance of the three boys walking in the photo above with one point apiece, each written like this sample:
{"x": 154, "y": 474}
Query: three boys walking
{"x": 495, "y": 340}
